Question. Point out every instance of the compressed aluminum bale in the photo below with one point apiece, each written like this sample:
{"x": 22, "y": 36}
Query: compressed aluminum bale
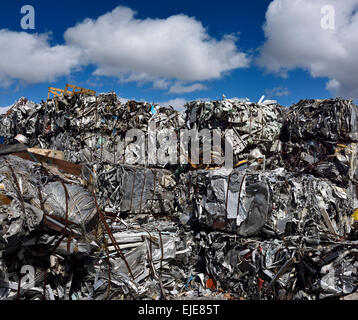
{"x": 246, "y": 202}
{"x": 252, "y": 123}
{"x": 227, "y": 200}
{"x": 81, "y": 206}
{"x": 280, "y": 269}
{"x": 319, "y": 137}
{"x": 23, "y": 181}
{"x": 330, "y": 120}
{"x": 132, "y": 189}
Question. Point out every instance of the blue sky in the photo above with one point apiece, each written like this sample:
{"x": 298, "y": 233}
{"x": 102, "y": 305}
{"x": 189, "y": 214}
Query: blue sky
{"x": 244, "y": 59}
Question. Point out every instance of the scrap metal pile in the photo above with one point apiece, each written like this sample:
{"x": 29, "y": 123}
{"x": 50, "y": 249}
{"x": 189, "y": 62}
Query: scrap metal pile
{"x": 86, "y": 128}
{"x": 281, "y": 225}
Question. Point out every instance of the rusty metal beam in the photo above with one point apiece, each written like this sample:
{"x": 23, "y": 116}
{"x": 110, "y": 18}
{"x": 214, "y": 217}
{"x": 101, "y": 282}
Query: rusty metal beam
{"x": 62, "y": 165}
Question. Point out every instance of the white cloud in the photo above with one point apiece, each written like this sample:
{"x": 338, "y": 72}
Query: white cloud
{"x": 182, "y": 88}
{"x": 161, "y": 84}
{"x": 278, "y": 92}
{"x": 296, "y": 39}
{"x": 177, "y": 104}
{"x": 4, "y": 109}
{"x": 178, "y": 47}
{"x": 124, "y": 100}
{"x": 160, "y": 51}
{"x": 30, "y": 58}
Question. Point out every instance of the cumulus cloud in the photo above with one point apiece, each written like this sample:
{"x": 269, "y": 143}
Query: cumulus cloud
{"x": 161, "y": 84}
{"x": 31, "y": 58}
{"x": 117, "y": 44}
{"x": 296, "y": 39}
{"x": 177, "y": 104}
{"x": 182, "y": 88}
{"x": 278, "y": 92}
{"x": 178, "y": 47}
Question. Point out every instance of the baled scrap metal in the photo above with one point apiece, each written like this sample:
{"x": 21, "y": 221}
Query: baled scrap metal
{"x": 134, "y": 189}
{"x": 12, "y": 123}
{"x": 320, "y": 137}
{"x": 151, "y": 249}
{"x": 34, "y": 195}
{"x": 76, "y": 265}
{"x": 253, "y": 124}
{"x": 280, "y": 269}
{"x": 85, "y": 128}
{"x": 44, "y": 217}
{"x": 329, "y": 120}
{"x": 282, "y": 234}
{"x": 218, "y": 195}
{"x": 248, "y": 202}
{"x": 107, "y": 142}
{"x": 336, "y": 161}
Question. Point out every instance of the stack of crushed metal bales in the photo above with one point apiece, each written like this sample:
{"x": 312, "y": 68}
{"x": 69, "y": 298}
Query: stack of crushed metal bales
{"x": 50, "y": 222}
{"x": 287, "y": 232}
{"x": 104, "y": 234}
{"x": 280, "y": 225}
